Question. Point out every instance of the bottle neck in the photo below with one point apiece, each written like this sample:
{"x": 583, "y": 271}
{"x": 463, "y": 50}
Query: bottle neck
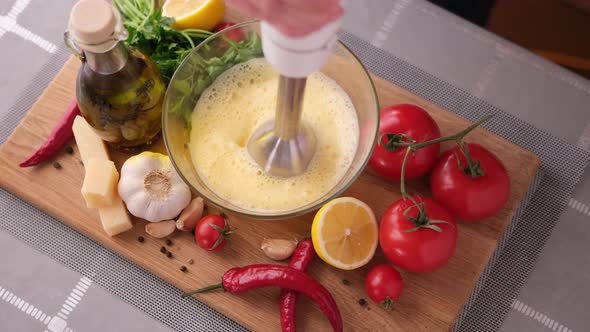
{"x": 109, "y": 62}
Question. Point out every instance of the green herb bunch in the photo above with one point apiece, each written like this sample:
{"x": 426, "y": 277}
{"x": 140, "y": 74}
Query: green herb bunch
{"x": 206, "y": 66}
{"x": 151, "y": 33}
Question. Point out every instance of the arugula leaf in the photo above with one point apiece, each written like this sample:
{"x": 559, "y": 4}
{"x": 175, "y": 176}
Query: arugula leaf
{"x": 207, "y": 70}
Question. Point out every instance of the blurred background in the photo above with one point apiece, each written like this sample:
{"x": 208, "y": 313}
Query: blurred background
{"x": 558, "y": 30}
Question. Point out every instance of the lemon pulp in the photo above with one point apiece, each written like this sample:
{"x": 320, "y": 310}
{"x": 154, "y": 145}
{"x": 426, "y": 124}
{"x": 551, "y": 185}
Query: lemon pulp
{"x": 239, "y": 101}
{"x": 344, "y": 233}
{"x": 181, "y": 8}
{"x": 195, "y": 14}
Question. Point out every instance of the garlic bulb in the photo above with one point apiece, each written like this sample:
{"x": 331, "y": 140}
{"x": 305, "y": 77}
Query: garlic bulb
{"x": 151, "y": 188}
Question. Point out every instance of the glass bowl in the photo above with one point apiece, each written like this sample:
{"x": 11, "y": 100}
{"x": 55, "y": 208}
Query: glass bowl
{"x": 199, "y": 69}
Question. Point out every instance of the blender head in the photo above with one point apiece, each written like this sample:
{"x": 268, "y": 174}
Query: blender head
{"x": 285, "y": 146}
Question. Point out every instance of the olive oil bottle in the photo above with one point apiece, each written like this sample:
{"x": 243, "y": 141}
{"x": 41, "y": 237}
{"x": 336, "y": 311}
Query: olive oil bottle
{"x": 119, "y": 90}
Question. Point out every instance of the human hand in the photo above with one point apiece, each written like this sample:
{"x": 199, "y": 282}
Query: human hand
{"x": 294, "y": 18}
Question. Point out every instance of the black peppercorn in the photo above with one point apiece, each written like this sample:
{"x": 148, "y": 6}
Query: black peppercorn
{"x": 163, "y": 250}
{"x": 183, "y": 268}
{"x": 169, "y": 254}
{"x": 345, "y": 282}
{"x": 362, "y": 302}
{"x": 140, "y": 238}
{"x": 69, "y": 150}
{"x": 56, "y": 165}
{"x": 168, "y": 242}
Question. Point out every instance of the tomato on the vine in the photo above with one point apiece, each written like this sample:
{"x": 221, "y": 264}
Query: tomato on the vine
{"x": 234, "y": 34}
{"x": 384, "y": 285}
{"x": 470, "y": 193}
{"x": 418, "y": 242}
{"x": 211, "y": 232}
{"x": 401, "y": 124}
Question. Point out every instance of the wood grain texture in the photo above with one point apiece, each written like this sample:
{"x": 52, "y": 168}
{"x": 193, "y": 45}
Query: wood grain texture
{"x": 430, "y": 302}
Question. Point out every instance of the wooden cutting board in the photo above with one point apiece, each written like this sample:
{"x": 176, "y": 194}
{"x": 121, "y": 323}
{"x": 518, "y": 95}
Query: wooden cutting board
{"x": 430, "y": 302}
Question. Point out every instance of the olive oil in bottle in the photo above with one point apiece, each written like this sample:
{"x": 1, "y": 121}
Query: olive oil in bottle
{"x": 119, "y": 89}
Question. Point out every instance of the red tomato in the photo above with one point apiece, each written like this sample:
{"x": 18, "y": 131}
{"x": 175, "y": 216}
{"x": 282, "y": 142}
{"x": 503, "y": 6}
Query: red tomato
{"x": 384, "y": 285}
{"x": 422, "y": 249}
{"x": 470, "y": 198}
{"x": 234, "y": 34}
{"x": 211, "y": 232}
{"x": 415, "y": 122}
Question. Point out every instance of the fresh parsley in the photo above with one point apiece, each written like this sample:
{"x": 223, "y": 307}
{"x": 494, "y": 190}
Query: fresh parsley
{"x": 151, "y": 33}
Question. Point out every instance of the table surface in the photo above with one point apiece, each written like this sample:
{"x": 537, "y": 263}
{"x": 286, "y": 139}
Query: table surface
{"x": 550, "y": 98}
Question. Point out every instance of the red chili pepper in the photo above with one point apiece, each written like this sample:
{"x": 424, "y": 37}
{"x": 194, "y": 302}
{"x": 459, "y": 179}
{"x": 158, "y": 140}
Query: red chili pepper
{"x": 60, "y": 135}
{"x": 302, "y": 256}
{"x": 243, "y": 279}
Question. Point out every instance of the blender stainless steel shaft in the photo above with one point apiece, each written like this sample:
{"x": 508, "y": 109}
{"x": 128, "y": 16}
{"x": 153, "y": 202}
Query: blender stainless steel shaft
{"x": 286, "y": 145}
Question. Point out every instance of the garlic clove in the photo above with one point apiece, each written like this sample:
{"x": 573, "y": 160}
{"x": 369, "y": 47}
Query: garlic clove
{"x": 191, "y": 215}
{"x": 278, "y": 249}
{"x": 160, "y": 229}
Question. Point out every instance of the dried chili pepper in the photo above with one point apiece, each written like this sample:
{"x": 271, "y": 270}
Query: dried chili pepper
{"x": 60, "y": 135}
{"x": 243, "y": 279}
{"x": 302, "y": 256}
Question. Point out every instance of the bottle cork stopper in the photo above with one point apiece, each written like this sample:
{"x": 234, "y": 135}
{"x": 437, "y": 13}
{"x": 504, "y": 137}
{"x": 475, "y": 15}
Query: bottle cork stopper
{"x": 92, "y": 21}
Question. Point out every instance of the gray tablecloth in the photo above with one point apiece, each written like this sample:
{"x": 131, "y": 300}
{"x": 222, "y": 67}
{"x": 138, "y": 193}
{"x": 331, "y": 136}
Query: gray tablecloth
{"x": 538, "y": 281}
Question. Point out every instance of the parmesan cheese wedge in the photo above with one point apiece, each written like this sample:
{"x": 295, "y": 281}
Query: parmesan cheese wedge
{"x": 89, "y": 144}
{"x": 115, "y": 218}
{"x": 100, "y": 181}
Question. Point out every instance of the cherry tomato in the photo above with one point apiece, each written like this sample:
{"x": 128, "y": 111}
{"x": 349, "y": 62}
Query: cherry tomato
{"x": 416, "y": 248}
{"x": 234, "y": 34}
{"x": 211, "y": 232}
{"x": 470, "y": 198}
{"x": 414, "y": 122}
{"x": 384, "y": 285}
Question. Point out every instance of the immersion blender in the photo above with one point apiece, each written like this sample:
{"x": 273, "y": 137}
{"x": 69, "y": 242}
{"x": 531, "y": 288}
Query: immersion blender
{"x": 286, "y": 145}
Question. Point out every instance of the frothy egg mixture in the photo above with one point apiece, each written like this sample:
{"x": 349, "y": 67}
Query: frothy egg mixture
{"x": 239, "y": 101}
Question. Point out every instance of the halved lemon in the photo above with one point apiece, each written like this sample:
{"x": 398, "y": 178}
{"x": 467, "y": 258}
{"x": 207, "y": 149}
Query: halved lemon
{"x": 345, "y": 233}
{"x": 194, "y": 14}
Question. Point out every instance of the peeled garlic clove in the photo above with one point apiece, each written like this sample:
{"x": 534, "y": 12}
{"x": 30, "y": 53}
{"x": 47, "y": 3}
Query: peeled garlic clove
{"x": 160, "y": 229}
{"x": 191, "y": 215}
{"x": 278, "y": 249}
